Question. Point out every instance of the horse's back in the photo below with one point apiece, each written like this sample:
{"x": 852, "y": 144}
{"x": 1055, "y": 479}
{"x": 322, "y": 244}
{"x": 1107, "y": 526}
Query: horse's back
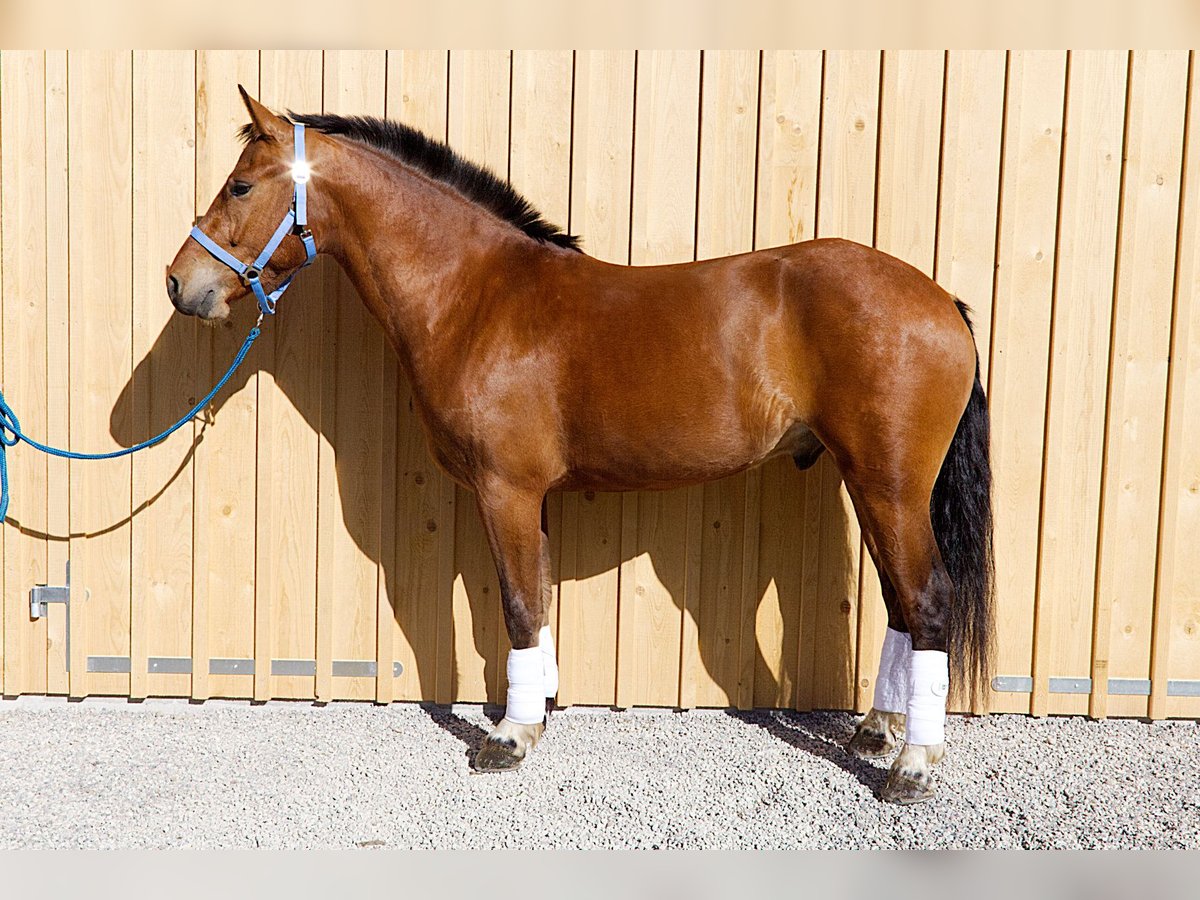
{"x": 679, "y": 373}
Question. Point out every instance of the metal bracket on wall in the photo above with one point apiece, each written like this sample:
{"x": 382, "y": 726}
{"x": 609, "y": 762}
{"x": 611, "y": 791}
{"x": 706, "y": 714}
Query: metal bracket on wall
{"x": 42, "y": 595}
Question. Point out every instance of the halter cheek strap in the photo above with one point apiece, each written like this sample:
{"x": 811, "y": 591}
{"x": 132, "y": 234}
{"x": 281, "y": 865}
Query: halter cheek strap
{"x": 294, "y": 222}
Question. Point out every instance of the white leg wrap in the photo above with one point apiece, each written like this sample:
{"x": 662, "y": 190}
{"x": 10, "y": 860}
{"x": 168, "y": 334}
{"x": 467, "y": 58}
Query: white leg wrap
{"x": 526, "y": 695}
{"x": 549, "y": 661}
{"x": 926, "y": 723}
{"x": 892, "y": 683}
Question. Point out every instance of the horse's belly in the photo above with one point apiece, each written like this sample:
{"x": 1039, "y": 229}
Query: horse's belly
{"x": 676, "y": 453}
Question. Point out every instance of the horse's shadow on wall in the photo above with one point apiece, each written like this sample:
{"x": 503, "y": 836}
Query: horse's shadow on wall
{"x": 822, "y": 625}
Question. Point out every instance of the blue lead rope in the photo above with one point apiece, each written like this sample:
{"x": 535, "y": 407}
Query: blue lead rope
{"x": 11, "y": 434}
{"x": 295, "y": 221}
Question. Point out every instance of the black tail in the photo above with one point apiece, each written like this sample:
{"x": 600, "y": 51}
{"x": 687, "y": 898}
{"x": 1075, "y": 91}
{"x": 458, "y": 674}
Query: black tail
{"x": 961, "y": 510}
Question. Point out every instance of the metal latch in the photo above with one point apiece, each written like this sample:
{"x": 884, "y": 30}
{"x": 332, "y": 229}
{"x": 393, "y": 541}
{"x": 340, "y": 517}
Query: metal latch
{"x": 42, "y": 595}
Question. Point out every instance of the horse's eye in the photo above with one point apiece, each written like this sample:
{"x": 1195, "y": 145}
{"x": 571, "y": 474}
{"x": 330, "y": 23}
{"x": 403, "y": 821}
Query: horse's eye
{"x": 239, "y": 189}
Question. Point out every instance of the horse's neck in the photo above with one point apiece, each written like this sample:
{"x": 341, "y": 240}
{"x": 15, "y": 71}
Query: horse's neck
{"x": 413, "y": 250}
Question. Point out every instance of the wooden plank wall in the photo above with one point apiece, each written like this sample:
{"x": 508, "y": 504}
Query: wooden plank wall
{"x": 300, "y": 542}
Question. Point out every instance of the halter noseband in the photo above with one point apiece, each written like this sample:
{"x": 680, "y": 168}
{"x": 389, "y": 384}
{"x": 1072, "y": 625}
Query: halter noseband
{"x": 295, "y": 221}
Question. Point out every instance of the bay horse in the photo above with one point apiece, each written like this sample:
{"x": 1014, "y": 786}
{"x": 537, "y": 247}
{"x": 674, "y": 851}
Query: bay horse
{"x": 536, "y": 367}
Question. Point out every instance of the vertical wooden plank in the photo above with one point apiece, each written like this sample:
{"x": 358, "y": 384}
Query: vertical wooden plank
{"x": 226, "y": 474}
{"x": 1176, "y": 647}
{"x": 718, "y": 624}
{"x": 846, "y": 209}
{"x": 166, "y": 357}
{"x": 1141, "y": 335}
{"x": 421, "y": 589}
{"x": 351, "y": 441}
{"x": 385, "y": 621}
{"x": 540, "y": 168}
{"x": 910, "y": 133}
{"x": 659, "y": 530}
{"x": 910, "y": 143}
{"x": 224, "y": 618}
{"x": 789, "y": 139}
{"x": 602, "y": 172}
{"x": 58, "y": 680}
{"x": 100, "y": 126}
{"x": 3, "y": 541}
{"x": 1091, "y": 184}
{"x": 970, "y": 187}
{"x": 969, "y": 193}
{"x": 1020, "y": 346}
{"x": 4, "y": 548}
{"x": 289, "y": 417}
{"x": 478, "y": 126}
{"x": 23, "y": 273}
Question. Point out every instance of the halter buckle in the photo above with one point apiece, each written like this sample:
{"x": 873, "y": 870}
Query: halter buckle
{"x": 250, "y": 276}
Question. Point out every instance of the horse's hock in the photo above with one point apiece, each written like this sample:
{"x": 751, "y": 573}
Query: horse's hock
{"x": 301, "y": 543}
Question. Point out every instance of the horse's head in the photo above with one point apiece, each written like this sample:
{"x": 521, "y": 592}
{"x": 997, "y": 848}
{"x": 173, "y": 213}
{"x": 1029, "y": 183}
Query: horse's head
{"x": 241, "y": 221}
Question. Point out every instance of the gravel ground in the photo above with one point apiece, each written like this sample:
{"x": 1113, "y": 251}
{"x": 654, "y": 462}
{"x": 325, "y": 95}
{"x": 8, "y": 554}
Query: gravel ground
{"x": 225, "y": 774}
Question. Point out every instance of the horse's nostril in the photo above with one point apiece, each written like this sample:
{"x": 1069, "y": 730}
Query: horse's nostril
{"x": 172, "y": 287}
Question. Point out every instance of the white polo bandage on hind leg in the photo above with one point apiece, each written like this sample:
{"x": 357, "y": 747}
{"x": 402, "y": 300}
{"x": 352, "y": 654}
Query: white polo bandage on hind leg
{"x": 926, "y": 722}
{"x": 892, "y": 683}
{"x": 526, "y": 687}
{"x": 549, "y": 662}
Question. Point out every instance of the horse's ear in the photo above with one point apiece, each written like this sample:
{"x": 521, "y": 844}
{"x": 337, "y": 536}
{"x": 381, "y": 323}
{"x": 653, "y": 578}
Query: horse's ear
{"x": 264, "y": 124}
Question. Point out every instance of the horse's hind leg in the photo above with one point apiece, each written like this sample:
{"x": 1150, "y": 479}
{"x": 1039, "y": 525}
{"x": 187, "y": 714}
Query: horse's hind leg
{"x": 906, "y": 552}
{"x": 511, "y": 518}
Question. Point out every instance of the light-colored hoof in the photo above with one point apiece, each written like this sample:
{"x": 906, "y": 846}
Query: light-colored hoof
{"x": 876, "y": 735}
{"x": 911, "y": 777}
{"x": 506, "y": 748}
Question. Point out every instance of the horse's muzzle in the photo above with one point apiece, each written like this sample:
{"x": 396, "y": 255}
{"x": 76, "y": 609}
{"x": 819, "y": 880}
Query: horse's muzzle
{"x": 203, "y": 303}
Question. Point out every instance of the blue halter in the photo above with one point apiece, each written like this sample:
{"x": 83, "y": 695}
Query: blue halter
{"x": 295, "y": 222}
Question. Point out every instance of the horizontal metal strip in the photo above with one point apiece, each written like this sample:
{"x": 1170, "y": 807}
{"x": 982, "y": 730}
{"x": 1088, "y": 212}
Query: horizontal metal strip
{"x": 361, "y": 668}
{"x": 294, "y": 667}
{"x": 174, "y": 665}
{"x": 1014, "y": 684}
{"x": 224, "y": 666}
{"x": 354, "y": 668}
{"x": 109, "y": 665}
{"x": 1023, "y": 684}
{"x": 1117, "y": 687}
{"x": 182, "y": 665}
{"x": 1129, "y": 687}
{"x": 1070, "y": 685}
{"x": 342, "y": 668}
{"x": 1180, "y": 688}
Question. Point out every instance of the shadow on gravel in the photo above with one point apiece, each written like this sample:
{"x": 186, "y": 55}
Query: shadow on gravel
{"x": 467, "y": 732}
{"x": 820, "y": 735}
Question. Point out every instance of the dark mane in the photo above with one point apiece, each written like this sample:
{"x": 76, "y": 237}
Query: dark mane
{"x": 441, "y": 163}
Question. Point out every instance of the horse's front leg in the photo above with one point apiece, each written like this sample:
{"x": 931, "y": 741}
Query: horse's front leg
{"x": 512, "y": 519}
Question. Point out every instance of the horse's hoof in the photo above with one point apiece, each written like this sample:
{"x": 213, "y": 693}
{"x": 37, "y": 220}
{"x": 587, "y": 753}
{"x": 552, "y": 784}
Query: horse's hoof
{"x": 905, "y": 790}
{"x": 506, "y": 748}
{"x": 498, "y": 756}
{"x": 911, "y": 777}
{"x": 876, "y": 735}
{"x": 870, "y": 744}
